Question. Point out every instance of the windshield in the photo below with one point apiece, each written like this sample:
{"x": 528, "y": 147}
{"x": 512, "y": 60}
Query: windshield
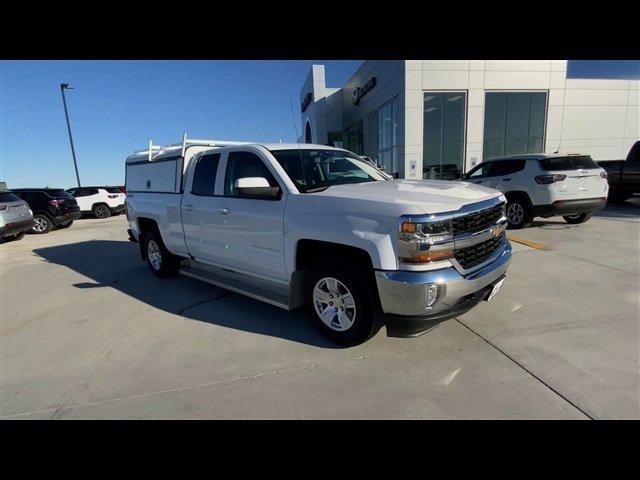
{"x": 317, "y": 170}
{"x": 568, "y": 163}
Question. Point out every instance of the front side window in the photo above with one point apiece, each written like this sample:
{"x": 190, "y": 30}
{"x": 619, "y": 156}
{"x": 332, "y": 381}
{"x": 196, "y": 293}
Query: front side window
{"x": 316, "y": 170}
{"x": 513, "y": 123}
{"x": 245, "y": 165}
{"x": 204, "y": 175}
{"x": 506, "y": 167}
{"x": 480, "y": 171}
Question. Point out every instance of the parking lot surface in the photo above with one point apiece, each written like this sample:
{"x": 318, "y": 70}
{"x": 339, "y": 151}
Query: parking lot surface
{"x": 88, "y": 332}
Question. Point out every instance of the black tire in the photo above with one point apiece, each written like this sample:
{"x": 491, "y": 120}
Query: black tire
{"x": 366, "y": 315}
{"x": 101, "y": 211}
{"x": 65, "y": 225}
{"x": 519, "y": 213}
{"x": 15, "y": 238}
{"x": 161, "y": 261}
{"x": 43, "y": 224}
{"x": 578, "y": 218}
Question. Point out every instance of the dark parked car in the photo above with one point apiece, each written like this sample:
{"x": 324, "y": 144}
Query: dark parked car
{"x": 624, "y": 175}
{"x": 52, "y": 207}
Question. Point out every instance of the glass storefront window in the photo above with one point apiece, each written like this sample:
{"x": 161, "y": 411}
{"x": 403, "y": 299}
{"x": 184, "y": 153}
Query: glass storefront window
{"x": 334, "y": 139}
{"x": 383, "y": 136}
{"x": 353, "y": 138}
{"x": 514, "y": 123}
{"x": 443, "y": 134}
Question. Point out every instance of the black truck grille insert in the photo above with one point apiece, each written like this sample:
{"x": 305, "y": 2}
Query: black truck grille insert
{"x": 477, "y": 221}
{"x": 469, "y": 257}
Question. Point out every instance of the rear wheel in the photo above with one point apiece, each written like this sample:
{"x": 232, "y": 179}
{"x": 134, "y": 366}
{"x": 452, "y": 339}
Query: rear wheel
{"x": 41, "y": 224}
{"x": 14, "y": 238}
{"x": 341, "y": 304}
{"x": 577, "y": 218}
{"x": 519, "y": 214}
{"x": 101, "y": 211}
{"x": 161, "y": 261}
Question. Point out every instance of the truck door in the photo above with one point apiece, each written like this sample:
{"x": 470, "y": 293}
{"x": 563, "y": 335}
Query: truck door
{"x": 200, "y": 210}
{"x": 251, "y": 225}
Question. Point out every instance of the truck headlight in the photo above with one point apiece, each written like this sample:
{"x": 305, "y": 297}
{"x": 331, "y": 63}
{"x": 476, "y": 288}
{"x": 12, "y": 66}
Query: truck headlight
{"x": 425, "y": 242}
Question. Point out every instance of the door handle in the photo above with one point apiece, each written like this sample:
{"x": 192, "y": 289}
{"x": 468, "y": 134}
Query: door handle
{"x": 506, "y": 179}
{"x": 223, "y": 211}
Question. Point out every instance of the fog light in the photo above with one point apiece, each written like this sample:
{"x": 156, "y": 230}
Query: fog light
{"x": 432, "y": 294}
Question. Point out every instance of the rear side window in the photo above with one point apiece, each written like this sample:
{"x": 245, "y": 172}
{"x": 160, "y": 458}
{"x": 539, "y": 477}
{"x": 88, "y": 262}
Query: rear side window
{"x": 573, "y": 162}
{"x": 8, "y": 197}
{"x": 204, "y": 176}
{"x": 113, "y": 190}
{"x": 506, "y": 167}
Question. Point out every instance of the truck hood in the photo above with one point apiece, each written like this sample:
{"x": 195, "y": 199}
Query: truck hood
{"x": 428, "y": 196}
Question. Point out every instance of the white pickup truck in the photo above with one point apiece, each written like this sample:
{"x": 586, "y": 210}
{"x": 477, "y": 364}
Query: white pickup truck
{"x": 312, "y": 225}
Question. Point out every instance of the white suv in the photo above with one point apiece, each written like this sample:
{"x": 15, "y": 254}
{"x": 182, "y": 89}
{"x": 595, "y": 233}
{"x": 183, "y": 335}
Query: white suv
{"x": 541, "y": 185}
{"x": 100, "y": 201}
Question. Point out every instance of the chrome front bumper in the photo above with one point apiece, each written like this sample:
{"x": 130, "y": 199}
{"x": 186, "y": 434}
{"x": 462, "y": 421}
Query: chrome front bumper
{"x": 404, "y": 293}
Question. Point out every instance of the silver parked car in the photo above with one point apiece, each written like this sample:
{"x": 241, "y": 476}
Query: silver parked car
{"x": 16, "y": 217}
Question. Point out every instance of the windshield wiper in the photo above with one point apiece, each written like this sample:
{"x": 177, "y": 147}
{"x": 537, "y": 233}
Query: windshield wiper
{"x": 317, "y": 189}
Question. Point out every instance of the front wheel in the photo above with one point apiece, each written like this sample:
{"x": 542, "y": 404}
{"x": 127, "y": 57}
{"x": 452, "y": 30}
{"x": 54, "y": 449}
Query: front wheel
{"x": 578, "y": 218}
{"x": 341, "y": 304}
{"x": 161, "y": 261}
{"x": 519, "y": 214}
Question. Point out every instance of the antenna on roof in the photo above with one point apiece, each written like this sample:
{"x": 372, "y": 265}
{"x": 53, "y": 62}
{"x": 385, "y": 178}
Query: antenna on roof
{"x": 184, "y": 144}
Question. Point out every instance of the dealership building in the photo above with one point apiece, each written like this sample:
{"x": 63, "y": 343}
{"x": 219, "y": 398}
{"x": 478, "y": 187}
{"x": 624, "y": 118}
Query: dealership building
{"x": 437, "y": 118}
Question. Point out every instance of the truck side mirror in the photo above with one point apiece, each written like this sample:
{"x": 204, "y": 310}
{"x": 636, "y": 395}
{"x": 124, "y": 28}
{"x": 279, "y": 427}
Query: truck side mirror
{"x": 255, "y": 187}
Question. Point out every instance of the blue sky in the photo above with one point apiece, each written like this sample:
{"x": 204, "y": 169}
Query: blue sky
{"x": 117, "y": 106}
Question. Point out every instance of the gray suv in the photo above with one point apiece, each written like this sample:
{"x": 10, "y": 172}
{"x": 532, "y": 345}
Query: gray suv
{"x": 16, "y": 217}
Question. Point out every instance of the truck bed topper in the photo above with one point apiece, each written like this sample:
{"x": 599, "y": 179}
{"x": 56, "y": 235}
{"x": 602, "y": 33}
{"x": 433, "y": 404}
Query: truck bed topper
{"x": 160, "y": 168}
{"x": 158, "y": 152}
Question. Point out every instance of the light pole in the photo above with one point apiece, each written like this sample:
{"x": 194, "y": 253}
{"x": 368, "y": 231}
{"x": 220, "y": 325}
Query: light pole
{"x": 63, "y": 87}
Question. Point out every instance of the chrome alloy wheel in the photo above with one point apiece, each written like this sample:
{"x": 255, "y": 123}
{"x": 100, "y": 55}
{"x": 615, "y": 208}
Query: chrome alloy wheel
{"x": 40, "y": 224}
{"x": 102, "y": 211}
{"x": 154, "y": 254}
{"x": 334, "y": 304}
{"x": 515, "y": 213}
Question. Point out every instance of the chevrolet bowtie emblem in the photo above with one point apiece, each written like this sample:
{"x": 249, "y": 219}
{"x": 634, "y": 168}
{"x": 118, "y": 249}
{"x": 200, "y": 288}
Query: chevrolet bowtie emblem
{"x": 497, "y": 231}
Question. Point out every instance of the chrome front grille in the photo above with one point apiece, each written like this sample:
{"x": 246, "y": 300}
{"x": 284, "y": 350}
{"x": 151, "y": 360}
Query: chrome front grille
{"x": 473, "y": 255}
{"x": 477, "y": 221}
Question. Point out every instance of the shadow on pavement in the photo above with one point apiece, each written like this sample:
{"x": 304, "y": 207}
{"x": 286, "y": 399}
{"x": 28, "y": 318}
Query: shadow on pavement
{"x": 629, "y": 209}
{"x": 117, "y": 264}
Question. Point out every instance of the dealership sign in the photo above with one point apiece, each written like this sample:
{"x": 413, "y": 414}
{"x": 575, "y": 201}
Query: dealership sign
{"x": 360, "y": 92}
{"x": 306, "y": 101}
